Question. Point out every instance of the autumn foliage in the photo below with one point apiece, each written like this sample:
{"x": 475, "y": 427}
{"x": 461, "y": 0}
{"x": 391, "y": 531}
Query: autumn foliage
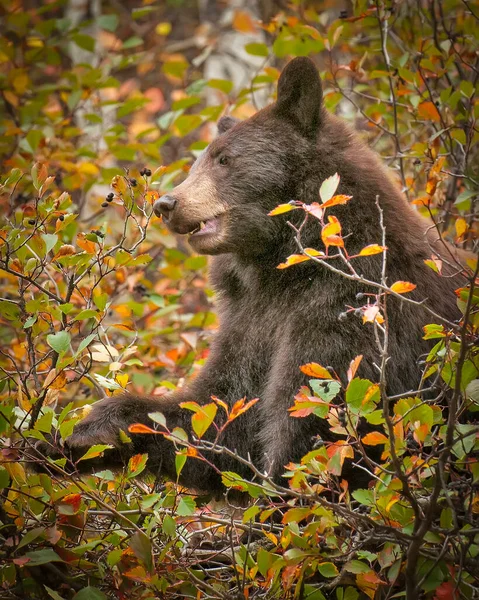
{"x": 99, "y": 118}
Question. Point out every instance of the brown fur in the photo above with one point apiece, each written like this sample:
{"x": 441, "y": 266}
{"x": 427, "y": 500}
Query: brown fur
{"x": 272, "y": 321}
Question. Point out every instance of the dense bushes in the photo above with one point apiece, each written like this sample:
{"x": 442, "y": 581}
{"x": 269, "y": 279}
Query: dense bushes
{"x": 97, "y": 297}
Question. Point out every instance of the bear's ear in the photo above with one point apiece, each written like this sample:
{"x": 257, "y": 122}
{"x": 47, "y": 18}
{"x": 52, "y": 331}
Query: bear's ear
{"x": 226, "y": 123}
{"x": 300, "y": 94}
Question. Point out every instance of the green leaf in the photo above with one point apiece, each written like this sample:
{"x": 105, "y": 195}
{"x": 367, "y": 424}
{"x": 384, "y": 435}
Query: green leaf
{"x": 84, "y": 343}
{"x": 88, "y": 313}
{"x": 132, "y": 42}
{"x": 224, "y": 85}
{"x": 84, "y": 41}
{"x": 50, "y": 240}
{"x": 44, "y": 423}
{"x": 328, "y": 569}
{"x": 257, "y": 49}
{"x": 187, "y": 123}
{"x": 108, "y": 22}
{"x": 4, "y": 478}
{"x": 141, "y": 546}
{"x": 60, "y": 341}
{"x": 94, "y": 451}
{"x": 30, "y": 536}
{"x": 186, "y": 506}
{"x": 329, "y": 187}
{"x": 90, "y": 593}
{"x": 42, "y": 557}
{"x": 169, "y": 525}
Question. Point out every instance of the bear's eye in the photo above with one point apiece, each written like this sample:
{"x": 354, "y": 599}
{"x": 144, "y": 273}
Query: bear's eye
{"x": 223, "y": 160}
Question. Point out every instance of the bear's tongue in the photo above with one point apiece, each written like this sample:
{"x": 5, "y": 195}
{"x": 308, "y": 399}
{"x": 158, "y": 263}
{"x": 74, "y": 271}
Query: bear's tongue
{"x": 210, "y": 226}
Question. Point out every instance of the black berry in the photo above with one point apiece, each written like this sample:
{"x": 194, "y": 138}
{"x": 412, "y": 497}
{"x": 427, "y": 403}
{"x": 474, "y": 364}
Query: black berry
{"x": 104, "y": 204}
{"x": 133, "y": 182}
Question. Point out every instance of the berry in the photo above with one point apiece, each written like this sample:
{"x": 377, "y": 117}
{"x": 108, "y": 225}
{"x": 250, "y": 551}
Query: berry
{"x": 110, "y": 196}
{"x": 104, "y": 204}
{"x": 147, "y": 172}
{"x": 31, "y": 221}
{"x": 133, "y": 182}
{"x": 61, "y": 217}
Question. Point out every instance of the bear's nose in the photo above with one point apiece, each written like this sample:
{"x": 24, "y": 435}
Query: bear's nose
{"x": 164, "y": 205}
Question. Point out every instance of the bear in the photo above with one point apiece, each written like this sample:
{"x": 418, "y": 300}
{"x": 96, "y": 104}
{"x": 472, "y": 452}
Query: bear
{"x": 273, "y": 320}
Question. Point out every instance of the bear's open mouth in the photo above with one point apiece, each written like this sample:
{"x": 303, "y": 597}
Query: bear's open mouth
{"x": 206, "y": 227}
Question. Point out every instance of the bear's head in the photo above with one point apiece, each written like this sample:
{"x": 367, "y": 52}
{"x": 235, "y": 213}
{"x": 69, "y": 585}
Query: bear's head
{"x": 251, "y": 167}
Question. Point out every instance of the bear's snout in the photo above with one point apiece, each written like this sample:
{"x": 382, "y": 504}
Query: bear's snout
{"x": 164, "y": 206}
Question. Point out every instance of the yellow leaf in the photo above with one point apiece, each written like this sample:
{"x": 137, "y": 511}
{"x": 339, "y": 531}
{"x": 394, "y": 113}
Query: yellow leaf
{"x": 403, "y": 287}
{"x": 163, "y": 28}
{"x": 294, "y": 259}
{"x": 461, "y": 227}
{"x": 331, "y": 233}
{"x": 122, "y": 379}
{"x": 315, "y": 370}
{"x": 202, "y": 419}
{"x": 372, "y": 249}
{"x": 282, "y": 208}
{"x": 115, "y": 366}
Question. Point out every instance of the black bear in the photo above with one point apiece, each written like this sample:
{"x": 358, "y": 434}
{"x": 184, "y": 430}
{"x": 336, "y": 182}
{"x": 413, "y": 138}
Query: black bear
{"x": 273, "y": 321}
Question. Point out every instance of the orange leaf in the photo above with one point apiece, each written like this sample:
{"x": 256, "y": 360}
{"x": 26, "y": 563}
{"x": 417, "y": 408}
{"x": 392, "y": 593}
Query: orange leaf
{"x": 74, "y": 500}
{"x": 374, "y": 438}
{"x": 315, "y": 370}
{"x": 84, "y": 244}
{"x": 282, "y": 208}
{"x": 135, "y": 461}
{"x": 372, "y": 249}
{"x": 428, "y": 110}
{"x": 240, "y": 407}
{"x": 243, "y": 22}
{"x": 65, "y": 250}
{"x": 403, "y": 287}
{"x": 335, "y": 200}
{"x": 353, "y": 366}
{"x": 140, "y": 428}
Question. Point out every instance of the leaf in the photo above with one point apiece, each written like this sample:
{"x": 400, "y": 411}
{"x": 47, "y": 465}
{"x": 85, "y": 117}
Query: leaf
{"x": 70, "y": 504}
{"x": 140, "y": 428}
{"x": 282, "y": 208}
{"x": 240, "y": 407}
{"x": 86, "y": 245}
{"x": 335, "y": 200}
{"x": 428, "y": 110}
{"x": 371, "y": 314}
{"x": 42, "y": 557}
{"x": 353, "y": 366}
{"x": 60, "y": 341}
{"x": 50, "y": 240}
{"x": 461, "y": 227}
{"x": 140, "y": 543}
{"x": 329, "y": 187}
{"x": 85, "y": 42}
{"x": 186, "y": 506}
{"x": 202, "y": 419}
{"x": 243, "y": 22}
{"x": 374, "y": 439}
{"x": 94, "y": 451}
{"x": 314, "y": 209}
{"x": 39, "y": 175}
{"x": 372, "y": 249}
{"x": 315, "y": 370}
{"x": 328, "y": 569}
{"x": 294, "y": 259}
{"x": 403, "y": 287}
{"x": 137, "y": 464}
{"x": 331, "y": 233}
{"x": 257, "y": 49}
{"x": 90, "y": 593}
